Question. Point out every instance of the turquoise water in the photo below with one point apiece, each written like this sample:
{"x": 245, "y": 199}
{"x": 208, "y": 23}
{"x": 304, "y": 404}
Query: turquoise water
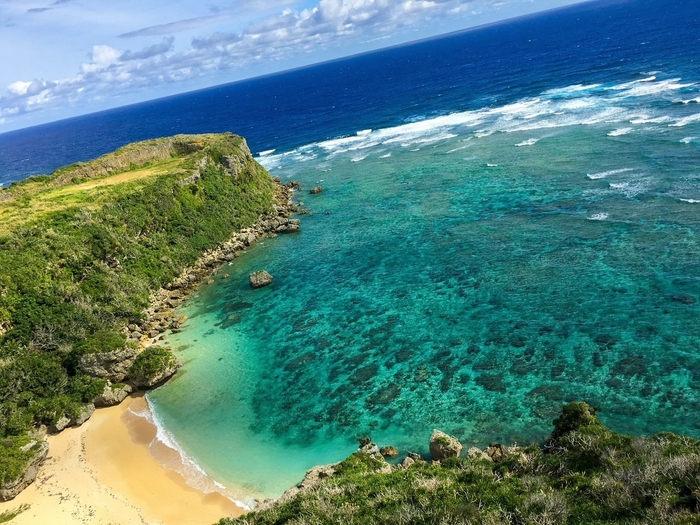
{"x": 472, "y": 273}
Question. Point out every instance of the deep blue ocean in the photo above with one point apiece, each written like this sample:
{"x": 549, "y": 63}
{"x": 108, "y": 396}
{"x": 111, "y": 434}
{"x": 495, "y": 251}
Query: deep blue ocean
{"x": 510, "y": 220}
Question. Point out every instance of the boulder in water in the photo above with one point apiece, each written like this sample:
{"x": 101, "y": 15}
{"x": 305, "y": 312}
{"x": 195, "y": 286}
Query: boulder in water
{"x": 260, "y": 279}
{"x": 443, "y": 446}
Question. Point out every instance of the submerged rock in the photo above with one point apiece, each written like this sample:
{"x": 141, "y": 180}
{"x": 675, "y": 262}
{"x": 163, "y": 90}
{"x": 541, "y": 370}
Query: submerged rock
{"x": 684, "y": 298}
{"x": 260, "y": 279}
{"x": 317, "y": 189}
{"x": 443, "y": 446}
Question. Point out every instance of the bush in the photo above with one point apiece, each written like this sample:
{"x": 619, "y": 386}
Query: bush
{"x": 640, "y": 480}
{"x": 150, "y": 364}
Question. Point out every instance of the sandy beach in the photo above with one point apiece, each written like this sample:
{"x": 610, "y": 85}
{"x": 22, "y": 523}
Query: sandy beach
{"x": 102, "y": 474}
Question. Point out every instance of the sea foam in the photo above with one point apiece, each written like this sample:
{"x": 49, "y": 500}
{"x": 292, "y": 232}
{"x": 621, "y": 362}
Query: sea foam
{"x": 192, "y": 473}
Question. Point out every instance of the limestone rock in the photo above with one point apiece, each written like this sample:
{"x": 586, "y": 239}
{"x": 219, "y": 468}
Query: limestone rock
{"x": 113, "y": 365}
{"x": 312, "y": 478}
{"x": 407, "y": 462}
{"x": 443, "y": 446}
{"x": 370, "y": 448}
{"x": 59, "y": 425}
{"x": 498, "y": 452}
{"x": 10, "y": 489}
{"x": 260, "y": 279}
{"x": 112, "y": 395}
{"x": 158, "y": 378}
{"x": 84, "y": 415}
{"x": 317, "y": 189}
{"x": 389, "y": 452}
{"x": 477, "y": 453}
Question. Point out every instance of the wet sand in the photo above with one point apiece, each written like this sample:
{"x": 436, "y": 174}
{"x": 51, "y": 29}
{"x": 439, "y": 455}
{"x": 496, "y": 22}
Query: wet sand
{"x": 102, "y": 474}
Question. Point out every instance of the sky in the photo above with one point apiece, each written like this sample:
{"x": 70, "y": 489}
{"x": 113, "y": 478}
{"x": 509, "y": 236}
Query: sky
{"x": 63, "y": 58}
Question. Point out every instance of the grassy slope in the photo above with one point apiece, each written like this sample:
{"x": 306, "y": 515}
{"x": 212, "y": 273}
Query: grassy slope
{"x": 586, "y": 474}
{"x": 80, "y": 255}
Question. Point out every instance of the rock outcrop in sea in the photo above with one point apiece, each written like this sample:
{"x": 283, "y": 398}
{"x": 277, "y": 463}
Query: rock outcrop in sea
{"x": 260, "y": 279}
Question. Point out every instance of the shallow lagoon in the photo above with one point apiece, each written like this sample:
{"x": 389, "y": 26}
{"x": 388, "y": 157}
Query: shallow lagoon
{"x": 471, "y": 274}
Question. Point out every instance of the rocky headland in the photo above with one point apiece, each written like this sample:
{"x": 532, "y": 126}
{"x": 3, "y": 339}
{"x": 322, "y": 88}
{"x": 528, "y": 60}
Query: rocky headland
{"x": 118, "y": 361}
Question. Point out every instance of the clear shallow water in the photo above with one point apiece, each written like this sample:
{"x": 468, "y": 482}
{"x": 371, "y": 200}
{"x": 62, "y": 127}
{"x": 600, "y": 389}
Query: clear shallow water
{"x": 473, "y": 273}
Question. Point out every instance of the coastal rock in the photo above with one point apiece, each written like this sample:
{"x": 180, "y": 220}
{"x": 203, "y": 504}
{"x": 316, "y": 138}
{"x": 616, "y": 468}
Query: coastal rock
{"x": 10, "y": 489}
{"x": 498, "y": 452}
{"x": 443, "y": 446}
{"x": 312, "y": 478}
{"x": 407, "y": 462}
{"x": 85, "y": 413}
{"x": 370, "y": 448}
{"x": 389, "y": 452}
{"x": 260, "y": 279}
{"x": 158, "y": 378}
{"x": 112, "y": 395}
{"x": 317, "y": 189}
{"x": 415, "y": 457}
{"x": 60, "y": 424}
{"x": 477, "y": 453}
{"x": 109, "y": 365}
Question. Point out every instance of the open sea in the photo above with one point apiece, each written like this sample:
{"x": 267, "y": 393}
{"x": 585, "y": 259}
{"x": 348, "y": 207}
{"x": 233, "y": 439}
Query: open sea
{"x": 510, "y": 220}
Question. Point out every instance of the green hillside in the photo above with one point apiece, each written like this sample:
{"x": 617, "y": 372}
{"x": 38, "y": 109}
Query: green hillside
{"x": 82, "y": 249}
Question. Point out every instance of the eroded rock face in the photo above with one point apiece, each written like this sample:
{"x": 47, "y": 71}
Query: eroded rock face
{"x": 443, "y": 446}
{"x": 498, "y": 452}
{"x": 10, "y": 489}
{"x": 85, "y": 413}
{"x": 112, "y": 395}
{"x": 260, "y": 279}
{"x": 109, "y": 365}
{"x": 160, "y": 377}
{"x": 389, "y": 452}
{"x": 59, "y": 425}
{"x": 477, "y": 453}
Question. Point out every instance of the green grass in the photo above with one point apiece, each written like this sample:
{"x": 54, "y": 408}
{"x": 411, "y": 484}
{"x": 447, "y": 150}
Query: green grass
{"x": 11, "y": 514}
{"x": 584, "y": 475}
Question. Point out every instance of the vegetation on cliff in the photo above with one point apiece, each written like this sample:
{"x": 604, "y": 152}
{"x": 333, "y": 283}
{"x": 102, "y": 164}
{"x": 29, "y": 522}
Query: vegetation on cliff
{"x": 82, "y": 250}
{"x": 584, "y": 474}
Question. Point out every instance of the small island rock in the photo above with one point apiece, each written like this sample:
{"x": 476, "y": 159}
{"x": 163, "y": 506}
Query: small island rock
{"x": 260, "y": 279}
{"x": 443, "y": 446}
{"x": 389, "y": 452}
{"x": 317, "y": 189}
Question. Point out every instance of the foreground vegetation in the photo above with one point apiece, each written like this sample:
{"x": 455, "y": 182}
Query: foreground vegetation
{"x": 584, "y": 474}
{"x": 82, "y": 249}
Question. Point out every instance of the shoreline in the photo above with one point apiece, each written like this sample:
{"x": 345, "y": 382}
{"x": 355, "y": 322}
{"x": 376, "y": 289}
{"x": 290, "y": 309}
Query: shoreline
{"x": 161, "y": 315}
{"x": 165, "y": 449}
{"x": 103, "y": 473}
{"x": 91, "y": 474}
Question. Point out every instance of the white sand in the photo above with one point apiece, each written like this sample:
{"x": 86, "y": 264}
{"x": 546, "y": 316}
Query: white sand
{"x": 102, "y": 474}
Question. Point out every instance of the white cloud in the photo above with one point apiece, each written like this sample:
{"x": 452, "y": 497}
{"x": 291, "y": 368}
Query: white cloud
{"x": 101, "y": 58}
{"x": 19, "y": 87}
{"x": 280, "y": 38}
